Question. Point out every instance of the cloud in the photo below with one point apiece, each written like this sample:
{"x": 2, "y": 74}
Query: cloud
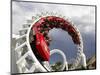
{"x": 86, "y": 23}
{"x": 82, "y": 16}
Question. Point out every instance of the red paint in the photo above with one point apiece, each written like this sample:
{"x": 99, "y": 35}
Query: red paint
{"x": 51, "y": 22}
{"x": 42, "y": 47}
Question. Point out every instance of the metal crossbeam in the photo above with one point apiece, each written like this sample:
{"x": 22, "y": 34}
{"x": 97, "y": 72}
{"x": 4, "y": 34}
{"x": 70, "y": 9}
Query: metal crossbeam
{"x": 23, "y": 57}
{"x": 23, "y": 29}
{"x": 22, "y": 45}
{"x": 20, "y": 37}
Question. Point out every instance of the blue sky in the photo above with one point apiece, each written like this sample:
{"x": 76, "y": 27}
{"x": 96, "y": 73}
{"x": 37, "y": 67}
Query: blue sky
{"x": 81, "y": 16}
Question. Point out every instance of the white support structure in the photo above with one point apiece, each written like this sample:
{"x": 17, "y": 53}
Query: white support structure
{"x": 23, "y": 29}
{"x": 23, "y": 57}
{"x": 21, "y": 37}
{"x": 22, "y": 45}
{"x": 83, "y": 57}
{"x": 65, "y": 63}
{"x": 21, "y": 62}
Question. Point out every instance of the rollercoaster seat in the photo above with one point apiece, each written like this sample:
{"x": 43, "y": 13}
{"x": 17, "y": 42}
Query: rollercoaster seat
{"x": 42, "y": 47}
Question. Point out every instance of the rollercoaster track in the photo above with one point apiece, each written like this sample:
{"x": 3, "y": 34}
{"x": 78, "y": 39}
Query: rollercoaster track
{"x": 34, "y": 27}
{"x": 63, "y": 55}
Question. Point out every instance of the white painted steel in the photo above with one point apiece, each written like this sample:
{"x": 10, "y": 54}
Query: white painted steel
{"x": 23, "y": 57}
{"x": 22, "y": 45}
{"x": 21, "y": 37}
{"x": 65, "y": 64}
{"x": 80, "y": 54}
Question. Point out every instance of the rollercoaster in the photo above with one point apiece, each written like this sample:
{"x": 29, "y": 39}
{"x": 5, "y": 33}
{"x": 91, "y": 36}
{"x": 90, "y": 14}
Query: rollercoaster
{"x": 32, "y": 46}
